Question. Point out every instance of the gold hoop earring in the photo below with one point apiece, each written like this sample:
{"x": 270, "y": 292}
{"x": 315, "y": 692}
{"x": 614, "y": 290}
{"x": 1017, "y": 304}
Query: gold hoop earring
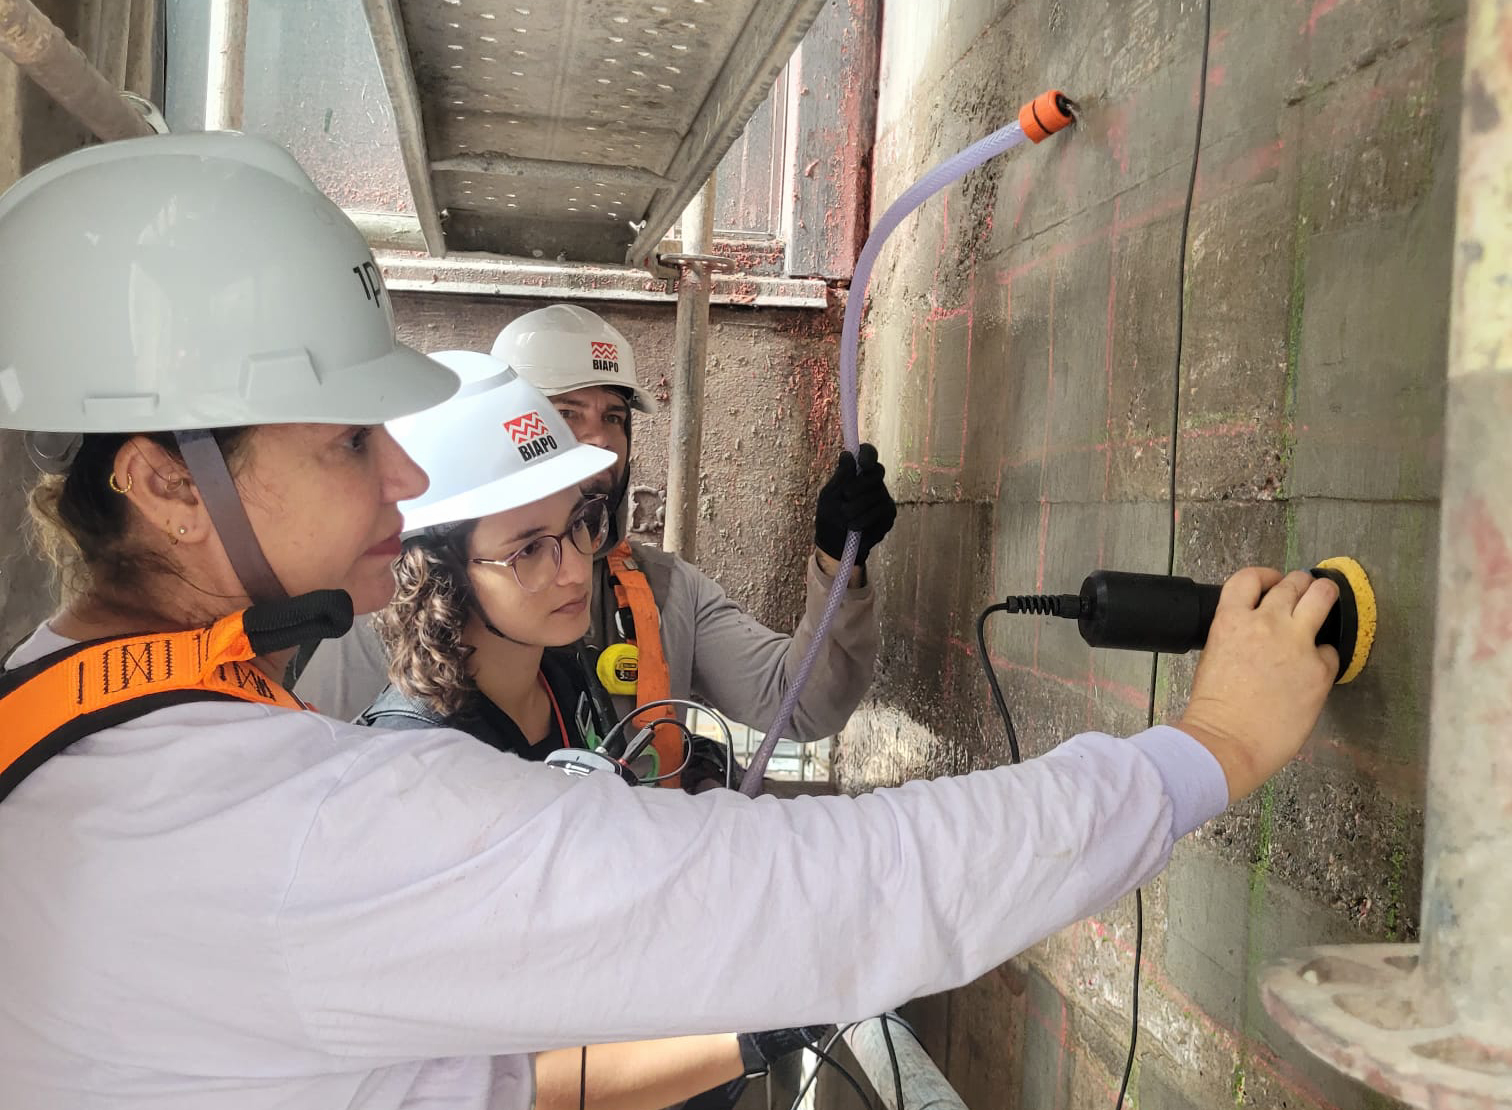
{"x": 116, "y": 486}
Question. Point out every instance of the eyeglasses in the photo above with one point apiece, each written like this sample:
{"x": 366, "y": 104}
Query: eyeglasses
{"x": 536, "y": 564}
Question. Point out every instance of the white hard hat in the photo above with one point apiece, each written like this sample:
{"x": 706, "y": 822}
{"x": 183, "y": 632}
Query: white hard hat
{"x": 498, "y": 444}
{"x": 562, "y": 347}
{"x": 193, "y": 281}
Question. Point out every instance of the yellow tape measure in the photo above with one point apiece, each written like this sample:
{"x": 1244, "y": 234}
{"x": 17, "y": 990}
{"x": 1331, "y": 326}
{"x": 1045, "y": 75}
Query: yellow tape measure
{"x": 619, "y": 669}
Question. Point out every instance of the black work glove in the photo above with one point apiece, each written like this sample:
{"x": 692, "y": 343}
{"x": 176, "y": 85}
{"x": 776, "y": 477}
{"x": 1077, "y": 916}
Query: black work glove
{"x": 855, "y": 499}
{"x": 707, "y": 760}
{"x": 759, "y": 1051}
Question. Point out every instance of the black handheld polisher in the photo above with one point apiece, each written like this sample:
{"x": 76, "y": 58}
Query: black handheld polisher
{"x": 1156, "y": 612}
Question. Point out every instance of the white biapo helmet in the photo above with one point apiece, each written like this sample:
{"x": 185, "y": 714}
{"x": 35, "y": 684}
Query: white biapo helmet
{"x": 496, "y": 445}
{"x": 562, "y": 347}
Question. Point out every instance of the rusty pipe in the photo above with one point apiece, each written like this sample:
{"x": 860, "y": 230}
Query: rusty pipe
{"x": 43, "y": 53}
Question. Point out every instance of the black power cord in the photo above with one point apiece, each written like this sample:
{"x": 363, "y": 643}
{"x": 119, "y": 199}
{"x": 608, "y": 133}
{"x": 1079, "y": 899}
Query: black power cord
{"x": 825, "y": 1058}
{"x": 992, "y": 682}
{"x": 1002, "y": 708}
{"x": 1052, "y": 605}
{"x": 1181, "y": 276}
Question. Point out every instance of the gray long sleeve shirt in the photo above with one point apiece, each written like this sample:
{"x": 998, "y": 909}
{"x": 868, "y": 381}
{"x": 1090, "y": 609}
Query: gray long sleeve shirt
{"x": 720, "y": 655}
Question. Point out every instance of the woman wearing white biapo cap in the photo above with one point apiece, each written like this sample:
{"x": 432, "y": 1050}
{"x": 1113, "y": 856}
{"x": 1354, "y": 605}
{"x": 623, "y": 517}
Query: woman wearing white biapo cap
{"x": 493, "y": 591}
{"x": 495, "y": 579}
{"x": 216, "y": 899}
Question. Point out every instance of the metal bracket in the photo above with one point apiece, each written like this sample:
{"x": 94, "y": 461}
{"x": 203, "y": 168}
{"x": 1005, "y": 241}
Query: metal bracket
{"x": 708, "y": 261}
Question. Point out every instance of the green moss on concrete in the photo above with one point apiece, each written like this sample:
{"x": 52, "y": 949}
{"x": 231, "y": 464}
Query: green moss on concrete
{"x": 1396, "y": 880}
{"x": 1296, "y": 306}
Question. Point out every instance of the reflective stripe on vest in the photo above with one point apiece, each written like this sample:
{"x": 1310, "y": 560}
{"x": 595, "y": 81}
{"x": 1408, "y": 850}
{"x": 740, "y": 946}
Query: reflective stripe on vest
{"x": 654, "y": 679}
{"x": 62, "y": 697}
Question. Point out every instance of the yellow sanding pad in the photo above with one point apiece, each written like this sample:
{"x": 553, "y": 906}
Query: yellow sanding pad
{"x": 1365, "y": 610}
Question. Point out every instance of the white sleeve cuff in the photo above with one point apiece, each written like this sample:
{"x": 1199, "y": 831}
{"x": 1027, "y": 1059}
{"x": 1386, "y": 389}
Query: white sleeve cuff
{"x": 1193, "y": 778}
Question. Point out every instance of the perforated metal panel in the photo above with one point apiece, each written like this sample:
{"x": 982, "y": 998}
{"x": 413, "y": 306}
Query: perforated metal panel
{"x": 574, "y": 129}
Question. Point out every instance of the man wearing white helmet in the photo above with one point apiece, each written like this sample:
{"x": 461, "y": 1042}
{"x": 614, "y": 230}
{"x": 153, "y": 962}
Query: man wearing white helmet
{"x": 216, "y": 899}
{"x": 712, "y": 650}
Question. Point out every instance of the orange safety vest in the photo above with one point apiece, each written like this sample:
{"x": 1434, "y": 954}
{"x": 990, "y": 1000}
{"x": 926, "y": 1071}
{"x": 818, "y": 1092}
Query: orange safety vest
{"x": 653, "y": 679}
{"x": 67, "y": 695}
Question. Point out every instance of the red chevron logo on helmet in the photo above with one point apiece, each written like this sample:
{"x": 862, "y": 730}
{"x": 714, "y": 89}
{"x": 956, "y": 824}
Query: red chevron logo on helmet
{"x": 523, "y": 429}
{"x": 604, "y": 350}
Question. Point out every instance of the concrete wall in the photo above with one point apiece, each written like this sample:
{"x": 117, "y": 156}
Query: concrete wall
{"x": 770, "y": 428}
{"x": 1021, "y": 372}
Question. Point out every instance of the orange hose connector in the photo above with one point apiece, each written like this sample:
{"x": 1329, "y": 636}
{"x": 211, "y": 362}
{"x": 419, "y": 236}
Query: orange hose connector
{"x": 1045, "y": 115}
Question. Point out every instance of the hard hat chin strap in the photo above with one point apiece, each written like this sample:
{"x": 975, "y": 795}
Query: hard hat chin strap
{"x": 207, "y": 466}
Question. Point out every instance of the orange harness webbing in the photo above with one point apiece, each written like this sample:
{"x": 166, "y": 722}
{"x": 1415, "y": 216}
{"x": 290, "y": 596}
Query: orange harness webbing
{"x": 653, "y": 678}
{"x": 62, "y": 697}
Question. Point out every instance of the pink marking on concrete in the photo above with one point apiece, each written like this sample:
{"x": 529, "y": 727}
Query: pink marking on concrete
{"x": 1039, "y": 569}
{"x": 1102, "y": 512}
{"x": 936, "y": 313}
{"x": 1049, "y": 386}
{"x": 1117, "y": 136}
{"x": 1120, "y": 691}
{"x": 1141, "y": 443}
{"x": 1319, "y": 10}
{"x": 1493, "y": 568}
{"x": 1108, "y": 359}
{"x": 1402, "y": 780}
{"x": 1217, "y": 76}
{"x": 1021, "y": 201}
{"x": 1240, "y": 171}
{"x": 930, "y": 387}
{"x": 1039, "y": 573}
{"x": 1064, "y": 1052}
{"x": 1228, "y": 1039}
{"x": 970, "y": 310}
{"x": 997, "y": 489}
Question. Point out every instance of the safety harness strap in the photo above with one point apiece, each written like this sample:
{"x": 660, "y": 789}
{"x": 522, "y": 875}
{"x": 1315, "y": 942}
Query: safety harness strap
{"x": 654, "y": 678}
{"x": 66, "y": 695}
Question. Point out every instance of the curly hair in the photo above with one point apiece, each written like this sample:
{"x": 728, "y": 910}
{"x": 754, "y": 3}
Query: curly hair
{"x": 422, "y": 627}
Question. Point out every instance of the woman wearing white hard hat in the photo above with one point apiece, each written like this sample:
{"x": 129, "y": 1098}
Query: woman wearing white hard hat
{"x": 217, "y": 899}
{"x": 492, "y": 597}
{"x": 495, "y": 581}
